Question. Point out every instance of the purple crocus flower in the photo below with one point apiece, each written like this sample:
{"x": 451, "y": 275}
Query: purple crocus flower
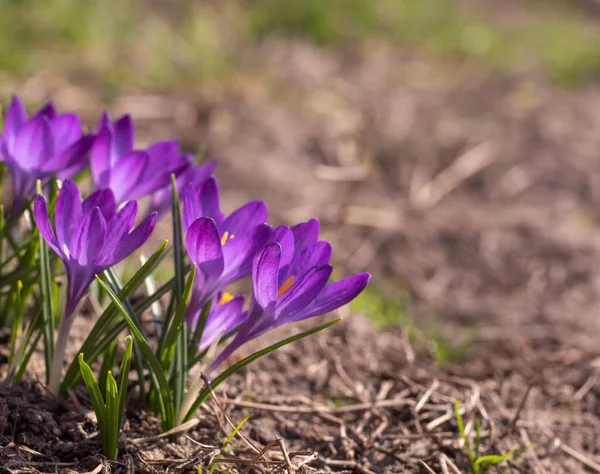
{"x": 44, "y": 145}
{"x": 132, "y": 174}
{"x": 194, "y": 176}
{"x": 89, "y": 236}
{"x": 223, "y": 254}
{"x": 226, "y": 314}
{"x": 290, "y": 283}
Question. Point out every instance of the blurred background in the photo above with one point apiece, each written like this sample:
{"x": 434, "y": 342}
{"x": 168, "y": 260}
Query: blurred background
{"x": 449, "y": 147}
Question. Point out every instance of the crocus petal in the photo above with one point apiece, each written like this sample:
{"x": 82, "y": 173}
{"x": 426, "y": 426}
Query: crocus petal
{"x": 203, "y": 202}
{"x": 284, "y": 236}
{"x": 104, "y": 122}
{"x": 116, "y": 230}
{"x": 100, "y": 158}
{"x": 304, "y": 290}
{"x": 240, "y": 250}
{"x": 47, "y": 112}
{"x": 103, "y": 199}
{"x": 203, "y": 246}
{"x": 67, "y": 214}
{"x": 265, "y": 270}
{"x": 135, "y": 239}
{"x": 16, "y": 117}
{"x": 40, "y": 213}
{"x": 71, "y": 161}
{"x": 305, "y": 234}
{"x": 66, "y": 130}
{"x": 316, "y": 254}
{"x": 334, "y": 295}
{"x": 245, "y": 218}
{"x": 210, "y": 202}
{"x": 33, "y": 144}
{"x": 123, "y": 138}
{"x": 89, "y": 237}
{"x": 79, "y": 279}
{"x": 222, "y": 319}
{"x": 125, "y": 174}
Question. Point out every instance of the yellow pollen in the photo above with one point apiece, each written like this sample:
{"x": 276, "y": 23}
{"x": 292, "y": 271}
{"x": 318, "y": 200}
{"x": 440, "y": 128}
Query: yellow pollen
{"x": 224, "y": 238}
{"x": 287, "y": 284}
{"x": 225, "y": 298}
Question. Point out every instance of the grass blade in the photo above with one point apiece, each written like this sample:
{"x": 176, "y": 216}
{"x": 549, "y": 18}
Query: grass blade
{"x": 47, "y": 305}
{"x": 124, "y": 377}
{"x": 113, "y": 426}
{"x": 251, "y": 358}
{"x": 179, "y": 378}
{"x": 95, "y": 395}
{"x": 165, "y": 398}
{"x": 108, "y": 362}
{"x": 104, "y": 321}
{"x": 213, "y": 466}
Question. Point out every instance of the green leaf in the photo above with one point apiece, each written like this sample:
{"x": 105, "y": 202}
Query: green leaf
{"x": 47, "y": 305}
{"x": 461, "y": 429}
{"x": 124, "y": 377}
{"x": 95, "y": 395}
{"x": 114, "y": 280}
{"x": 169, "y": 342}
{"x": 493, "y": 459}
{"x": 251, "y": 358}
{"x": 104, "y": 322}
{"x": 113, "y": 426}
{"x": 108, "y": 362}
{"x": 17, "y": 324}
{"x": 165, "y": 399}
{"x": 213, "y": 466}
{"x": 179, "y": 378}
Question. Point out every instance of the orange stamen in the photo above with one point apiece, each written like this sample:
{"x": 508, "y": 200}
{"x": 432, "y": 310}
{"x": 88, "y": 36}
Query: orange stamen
{"x": 224, "y": 238}
{"x": 225, "y": 298}
{"x": 287, "y": 284}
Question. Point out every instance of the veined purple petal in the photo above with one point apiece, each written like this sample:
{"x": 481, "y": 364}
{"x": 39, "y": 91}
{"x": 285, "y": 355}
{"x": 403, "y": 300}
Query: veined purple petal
{"x": 202, "y": 202}
{"x": 210, "y": 202}
{"x": 103, "y": 199}
{"x": 239, "y": 251}
{"x": 302, "y": 292}
{"x": 67, "y": 215}
{"x": 305, "y": 234}
{"x": 284, "y": 236}
{"x": 66, "y": 130}
{"x": 245, "y": 218}
{"x": 265, "y": 272}
{"x": 315, "y": 254}
{"x": 122, "y": 139}
{"x": 163, "y": 155}
{"x": 79, "y": 279}
{"x": 204, "y": 248}
{"x": 33, "y": 144}
{"x": 134, "y": 240}
{"x": 89, "y": 237}
{"x": 40, "y": 213}
{"x": 72, "y": 160}
{"x": 100, "y": 158}
{"x": 222, "y": 319}
{"x": 334, "y": 295}
{"x": 125, "y": 175}
{"x": 16, "y": 117}
{"x": 116, "y": 230}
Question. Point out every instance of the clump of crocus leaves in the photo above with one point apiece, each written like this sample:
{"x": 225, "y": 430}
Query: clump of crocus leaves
{"x": 60, "y": 243}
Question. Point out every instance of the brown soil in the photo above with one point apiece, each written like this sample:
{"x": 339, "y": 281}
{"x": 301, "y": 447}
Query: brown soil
{"x": 475, "y": 195}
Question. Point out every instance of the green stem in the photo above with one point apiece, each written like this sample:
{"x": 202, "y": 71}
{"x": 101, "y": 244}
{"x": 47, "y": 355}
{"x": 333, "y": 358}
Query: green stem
{"x": 59, "y": 354}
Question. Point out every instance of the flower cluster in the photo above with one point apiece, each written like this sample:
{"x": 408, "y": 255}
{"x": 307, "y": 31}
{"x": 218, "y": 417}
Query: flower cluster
{"x": 290, "y": 268}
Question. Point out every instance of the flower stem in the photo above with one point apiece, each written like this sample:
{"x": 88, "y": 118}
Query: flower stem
{"x": 59, "y": 354}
